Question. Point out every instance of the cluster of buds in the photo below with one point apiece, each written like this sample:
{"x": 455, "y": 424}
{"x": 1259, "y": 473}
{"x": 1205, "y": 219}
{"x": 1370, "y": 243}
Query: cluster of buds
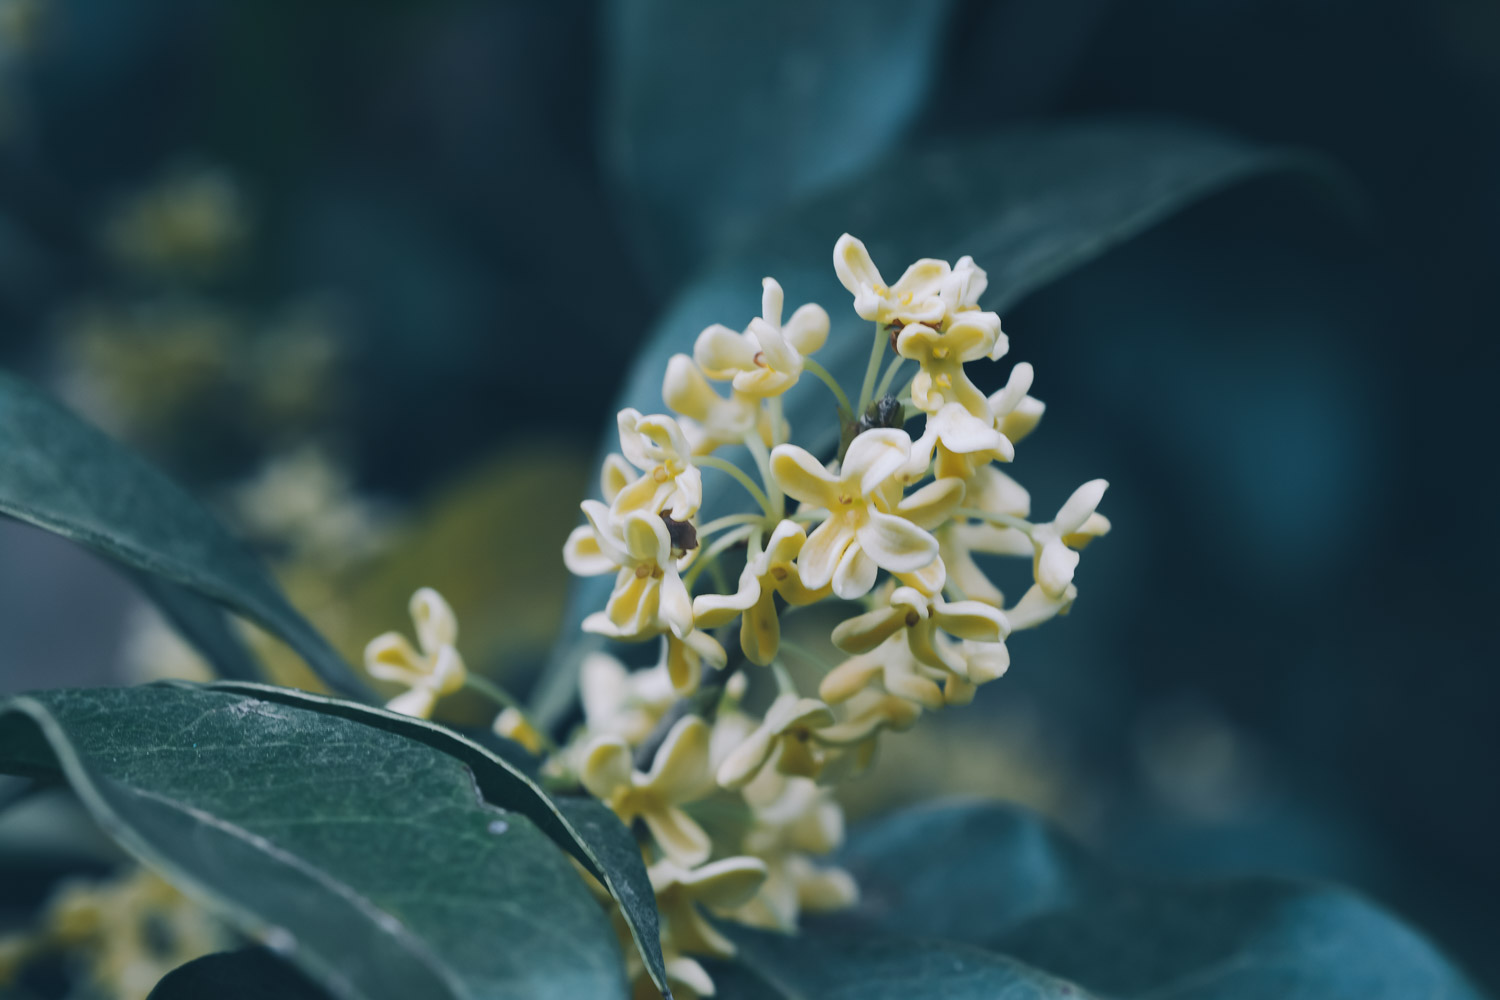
{"x": 734, "y": 808}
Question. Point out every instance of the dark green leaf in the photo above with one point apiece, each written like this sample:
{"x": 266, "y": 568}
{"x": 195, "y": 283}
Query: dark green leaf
{"x": 247, "y": 974}
{"x": 1029, "y": 205}
{"x": 834, "y": 966}
{"x": 369, "y": 859}
{"x": 994, "y": 877}
{"x": 59, "y": 473}
{"x": 715, "y": 112}
{"x": 583, "y": 827}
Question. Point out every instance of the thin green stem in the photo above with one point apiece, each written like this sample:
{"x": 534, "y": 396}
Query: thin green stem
{"x": 762, "y": 458}
{"x": 773, "y": 411}
{"x": 889, "y": 376}
{"x": 809, "y": 365}
{"x": 877, "y": 351}
{"x": 712, "y": 462}
{"x": 1007, "y": 520}
{"x": 711, "y": 554}
{"x": 807, "y": 655}
{"x": 728, "y": 521}
{"x": 784, "y": 682}
{"x": 499, "y": 695}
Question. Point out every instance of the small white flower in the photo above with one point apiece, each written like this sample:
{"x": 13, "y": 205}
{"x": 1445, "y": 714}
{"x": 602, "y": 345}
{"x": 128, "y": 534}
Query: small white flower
{"x": 771, "y": 573}
{"x": 916, "y": 298}
{"x": 721, "y": 885}
{"x": 766, "y": 359}
{"x": 1075, "y": 525}
{"x": 786, "y": 733}
{"x": 857, "y": 539}
{"x": 679, "y": 774}
{"x": 649, "y": 597}
{"x": 435, "y": 671}
{"x": 708, "y": 419}
{"x": 670, "y": 481}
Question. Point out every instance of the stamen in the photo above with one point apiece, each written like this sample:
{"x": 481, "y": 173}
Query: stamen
{"x": 660, "y": 474}
{"x": 759, "y": 359}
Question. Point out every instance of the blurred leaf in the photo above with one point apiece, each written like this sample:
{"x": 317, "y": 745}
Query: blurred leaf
{"x": 870, "y": 967}
{"x": 994, "y": 877}
{"x": 60, "y": 474}
{"x": 582, "y": 826}
{"x": 717, "y": 112}
{"x": 372, "y": 857}
{"x": 203, "y": 624}
{"x": 1029, "y": 204}
{"x": 247, "y": 974}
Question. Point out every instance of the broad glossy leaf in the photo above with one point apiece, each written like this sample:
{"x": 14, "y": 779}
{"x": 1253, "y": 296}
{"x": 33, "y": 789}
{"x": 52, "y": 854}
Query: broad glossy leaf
{"x": 582, "y": 826}
{"x": 246, "y": 974}
{"x": 833, "y": 966}
{"x": 1029, "y": 205}
{"x": 370, "y": 859}
{"x": 59, "y": 473}
{"x": 995, "y": 877}
{"x": 715, "y": 112}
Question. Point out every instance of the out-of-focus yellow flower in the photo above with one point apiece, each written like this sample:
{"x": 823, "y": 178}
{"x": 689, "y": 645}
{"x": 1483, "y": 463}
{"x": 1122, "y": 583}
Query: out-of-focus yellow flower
{"x": 720, "y": 885}
{"x": 768, "y": 574}
{"x": 786, "y": 733}
{"x": 617, "y": 702}
{"x": 513, "y": 725}
{"x": 679, "y": 774}
{"x": 856, "y": 539}
{"x": 670, "y": 481}
{"x": 794, "y": 819}
{"x": 765, "y": 360}
{"x": 708, "y": 419}
{"x": 435, "y": 671}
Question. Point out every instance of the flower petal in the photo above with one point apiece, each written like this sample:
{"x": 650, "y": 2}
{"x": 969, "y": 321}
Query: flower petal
{"x": 1023, "y": 419}
{"x": 437, "y": 626}
{"x": 802, "y": 477}
{"x": 686, "y": 391}
{"x": 855, "y": 574}
{"x": 771, "y": 300}
{"x": 726, "y": 883}
{"x": 1016, "y": 388}
{"x": 679, "y": 837}
{"x": 582, "y": 555}
{"x": 863, "y": 633}
{"x": 417, "y": 703}
{"x": 807, "y": 330}
{"x": 855, "y": 270}
{"x": 874, "y": 457}
{"x": 679, "y": 772}
{"x": 931, "y": 505}
{"x": 747, "y": 759}
{"x": 721, "y": 352}
{"x": 1036, "y": 606}
{"x": 1055, "y": 566}
{"x": 713, "y": 610}
{"x": 821, "y": 555}
{"x": 1080, "y": 506}
{"x": 390, "y": 657}
{"x": 606, "y": 767}
{"x": 676, "y": 608}
{"x": 971, "y": 620}
{"x": 646, "y": 538}
{"x": 895, "y": 544}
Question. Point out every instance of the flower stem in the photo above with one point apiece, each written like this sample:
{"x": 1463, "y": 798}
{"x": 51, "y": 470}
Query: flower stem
{"x": 1005, "y": 520}
{"x": 757, "y": 447}
{"x": 889, "y": 376}
{"x": 712, "y": 462}
{"x": 711, "y": 554}
{"x": 845, "y": 410}
{"x": 877, "y": 351}
{"x": 728, "y": 521}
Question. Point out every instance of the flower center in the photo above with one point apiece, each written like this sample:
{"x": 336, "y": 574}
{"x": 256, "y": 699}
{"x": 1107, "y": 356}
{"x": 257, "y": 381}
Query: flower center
{"x": 660, "y": 474}
{"x": 759, "y": 359}
{"x": 940, "y": 352}
{"x": 942, "y": 381}
{"x": 846, "y": 500}
{"x": 779, "y": 572}
{"x": 642, "y": 571}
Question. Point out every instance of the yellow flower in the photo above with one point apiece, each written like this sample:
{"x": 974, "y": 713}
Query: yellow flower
{"x": 766, "y": 359}
{"x": 670, "y": 481}
{"x": 686, "y": 656}
{"x": 617, "y": 702}
{"x": 513, "y": 725}
{"x": 1075, "y": 525}
{"x": 720, "y": 885}
{"x": 708, "y": 419}
{"x": 942, "y": 356}
{"x": 856, "y": 539}
{"x": 962, "y": 441}
{"x": 679, "y": 774}
{"x": 916, "y": 298}
{"x": 786, "y": 733}
{"x": 794, "y": 820}
{"x": 770, "y": 573}
{"x": 436, "y": 671}
{"x": 649, "y": 597}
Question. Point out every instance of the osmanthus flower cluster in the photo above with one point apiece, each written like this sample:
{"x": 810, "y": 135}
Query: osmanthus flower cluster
{"x": 888, "y": 531}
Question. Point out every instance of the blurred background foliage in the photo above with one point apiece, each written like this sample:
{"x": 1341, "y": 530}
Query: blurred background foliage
{"x": 368, "y": 276}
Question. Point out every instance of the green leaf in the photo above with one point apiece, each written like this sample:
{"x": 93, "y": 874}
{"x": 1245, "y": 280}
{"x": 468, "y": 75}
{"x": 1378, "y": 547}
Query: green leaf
{"x": 370, "y": 859}
{"x": 582, "y": 826}
{"x": 247, "y": 974}
{"x": 59, "y": 473}
{"x": 204, "y": 624}
{"x": 993, "y": 877}
{"x": 715, "y": 111}
{"x": 870, "y": 967}
{"x": 1029, "y": 204}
